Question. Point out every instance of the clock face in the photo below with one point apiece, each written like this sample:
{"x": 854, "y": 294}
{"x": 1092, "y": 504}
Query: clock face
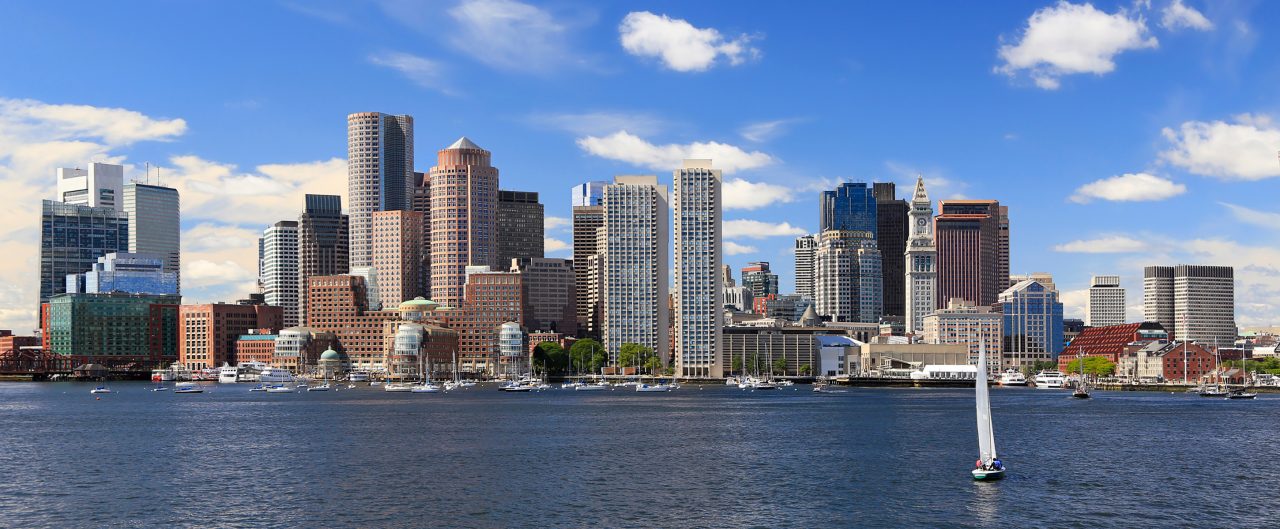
{"x": 920, "y": 222}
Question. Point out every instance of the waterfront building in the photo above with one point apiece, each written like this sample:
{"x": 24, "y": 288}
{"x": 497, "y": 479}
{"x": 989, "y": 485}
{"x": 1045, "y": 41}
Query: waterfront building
{"x": 416, "y": 345}
{"x": 125, "y": 272}
{"x": 550, "y": 285}
{"x": 258, "y": 345}
{"x": 278, "y": 271}
{"x": 100, "y": 185}
{"x": 921, "y": 262}
{"x": 848, "y": 277}
{"x": 587, "y": 222}
{"x": 464, "y": 203}
{"x": 1106, "y": 304}
{"x": 298, "y": 349}
{"x": 805, "y": 247}
{"x": 1111, "y": 341}
{"x": 634, "y": 265}
{"x": 490, "y": 299}
{"x": 588, "y": 194}
{"x": 738, "y": 298}
{"x": 891, "y": 240}
{"x": 73, "y": 237}
{"x": 967, "y": 236}
{"x": 1168, "y": 362}
{"x": 838, "y": 355}
{"x": 963, "y": 323}
{"x": 11, "y": 344}
{"x": 849, "y": 207}
{"x": 115, "y": 329}
{"x": 761, "y": 350}
{"x": 207, "y": 333}
{"x": 323, "y": 244}
{"x": 699, "y": 274}
{"x": 520, "y": 226}
{"x": 892, "y": 359}
{"x": 1193, "y": 302}
{"x": 154, "y": 224}
{"x": 514, "y": 359}
{"x": 340, "y": 305}
{"x": 397, "y": 255}
{"x": 759, "y": 279}
{"x": 379, "y": 174}
{"x": 1032, "y": 324}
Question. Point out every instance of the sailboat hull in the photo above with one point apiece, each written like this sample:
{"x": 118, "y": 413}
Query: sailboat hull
{"x": 987, "y": 475}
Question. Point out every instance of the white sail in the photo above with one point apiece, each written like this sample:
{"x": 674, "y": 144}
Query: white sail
{"x": 986, "y": 436}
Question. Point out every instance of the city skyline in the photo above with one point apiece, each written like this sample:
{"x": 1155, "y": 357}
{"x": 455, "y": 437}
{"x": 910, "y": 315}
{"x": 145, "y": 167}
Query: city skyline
{"x": 1082, "y": 198}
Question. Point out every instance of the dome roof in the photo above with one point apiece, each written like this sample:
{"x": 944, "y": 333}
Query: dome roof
{"x": 418, "y": 303}
{"x": 330, "y": 354}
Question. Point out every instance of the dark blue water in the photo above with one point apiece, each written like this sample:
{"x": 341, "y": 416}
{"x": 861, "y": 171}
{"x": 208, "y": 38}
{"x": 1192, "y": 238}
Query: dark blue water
{"x": 713, "y": 457}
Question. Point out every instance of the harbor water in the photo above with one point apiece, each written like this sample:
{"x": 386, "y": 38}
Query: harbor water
{"x": 701, "y": 456}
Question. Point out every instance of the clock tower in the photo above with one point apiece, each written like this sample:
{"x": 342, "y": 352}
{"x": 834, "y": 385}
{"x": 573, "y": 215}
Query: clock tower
{"x": 922, "y": 261}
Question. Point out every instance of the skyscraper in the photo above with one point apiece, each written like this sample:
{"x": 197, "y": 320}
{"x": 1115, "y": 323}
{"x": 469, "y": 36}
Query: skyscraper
{"x": 847, "y": 277}
{"x": 1032, "y": 323}
{"x": 422, "y": 204}
{"x": 967, "y": 235}
{"x": 323, "y": 243}
{"x": 280, "y": 269}
{"x": 759, "y": 279}
{"x": 891, "y": 239}
{"x": 587, "y": 221}
{"x": 520, "y": 226}
{"x": 1106, "y": 302}
{"x": 852, "y": 207}
{"x": 588, "y": 194}
{"x": 100, "y": 185}
{"x": 550, "y": 294}
{"x": 1192, "y": 302}
{"x": 1002, "y": 246}
{"x": 72, "y": 238}
{"x": 806, "y": 245}
{"x": 634, "y": 267}
{"x": 379, "y": 174}
{"x": 921, "y": 262}
{"x": 154, "y": 224}
{"x": 698, "y": 269}
{"x": 464, "y": 202}
{"x": 397, "y": 254}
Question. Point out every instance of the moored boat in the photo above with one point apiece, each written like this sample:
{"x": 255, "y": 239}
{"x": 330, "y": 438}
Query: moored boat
{"x": 1050, "y": 380}
{"x": 187, "y": 387}
{"x": 1013, "y": 377}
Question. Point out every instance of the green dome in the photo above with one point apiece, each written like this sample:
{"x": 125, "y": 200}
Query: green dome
{"x": 418, "y": 303}
{"x": 330, "y": 354}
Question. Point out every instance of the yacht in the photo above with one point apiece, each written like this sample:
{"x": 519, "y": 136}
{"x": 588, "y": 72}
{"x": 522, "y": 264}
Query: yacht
{"x": 228, "y": 374}
{"x": 1050, "y": 380}
{"x": 358, "y": 376}
{"x": 187, "y": 387}
{"x": 1013, "y": 377}
{"x": 275, "y": 375}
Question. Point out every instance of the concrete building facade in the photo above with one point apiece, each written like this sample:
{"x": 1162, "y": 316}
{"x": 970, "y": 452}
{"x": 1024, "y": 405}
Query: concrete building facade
{"x": 1106, "y": 304}
{"x": 587, "y": 222}
{"x": 806, "y": 246}
{"x": 1193, "y": 302}
{"x": 207, "y": 333}
{"x": 699, "y": 276}
{"x": 279, "y": 274}
{"x": 397, "y": 255}
{"x": 962, "y": 323}
{"x": 634, "y": 267}
{"x": 155, "y": 224}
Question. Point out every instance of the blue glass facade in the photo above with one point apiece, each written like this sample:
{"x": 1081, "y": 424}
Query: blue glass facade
{"x": 129, "y": 273}
{"x": 1033, "y": 325}
{"x": 852, "y": 206}
{"x": 589, "y": 194}
{"x": 72, "y": 238}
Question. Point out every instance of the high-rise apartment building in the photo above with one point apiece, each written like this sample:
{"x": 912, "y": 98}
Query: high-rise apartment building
{"x": 699, "y": 274}
{"x": 891, "y": 239}
{"x": 847, "y": 277}
{"x": 1002, "y": 245}
{"x": 72, "y": 238}
{"x": 758, "y": 277}
{"x": 397, "y": 255}
{"x": 921, "y": 262}
{"x": 323, "y": 243}
{"x": 100, "y": 186}
{"x": 551, "y": 291}
{"x": 634, "y": 268}
{"x": 464, "y": 203}
{"x": 379, "y": 174}
{"x": 155, "y": 224}
{"x": 1032, "y": 325}
{"x": 806, "y": 245}
{"x": 520, "y": 226}
{"x": 1106, "y": 305}
{"x": 588, "y": 194}
{"x": 1192, "y": 302}
{"x": 850, "y": 207}
{"x": 207, "y": 334}
{"x": 587, "y": 221}
{"x": 279, "y": 274}
{"x": 967, "y": 236}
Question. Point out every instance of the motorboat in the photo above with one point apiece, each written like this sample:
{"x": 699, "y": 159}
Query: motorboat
{"x": 275, "y": 375}
{"x": 570, "y": 385}
{"x": 425, "y": 387}
{"x": 100, "y": 389}
{"x": 654, "y": 388}
{"x": 187, "y": 387}
{"x": 397, "y": 388}
{"x": 785, "y": 383}
{"x": 358, "y": 376}
{"x": 162, "y": 375}
{"x": 351, "y": 386}
{"x": 1013, "y": 377}
{"x": 1049, "y": 380}
{"x": 228, "y": 374}
{"x": 160, "y": 388}
{"x": 258, "y": 387}
{"x": 466, "y": 383}
{"x": 321, "y": 387}
{"x": 593, "y": 386}
{"x": 989, "y": 467}
{"x": 279, "y": 389}
{"x": 1241, "y": 394}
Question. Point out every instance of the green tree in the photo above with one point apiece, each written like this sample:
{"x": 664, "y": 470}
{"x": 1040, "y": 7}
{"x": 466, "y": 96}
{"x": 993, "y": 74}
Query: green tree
{"x": 1098, "y": 366}
{"x": 588, "y": 355}
{"x": 806, "y": 370}
{"x": 737, "y": 364}
{"x": 653, "y": 364}
{"x": 780, "y": 365}
{"x": 550, "y": 358}
{"x": 633, "y": 355}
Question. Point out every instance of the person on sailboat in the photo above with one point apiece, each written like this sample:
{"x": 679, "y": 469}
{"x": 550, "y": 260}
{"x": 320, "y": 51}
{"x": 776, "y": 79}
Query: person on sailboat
{"x": 996, "y": 464}
{"x": 978, "y": 464}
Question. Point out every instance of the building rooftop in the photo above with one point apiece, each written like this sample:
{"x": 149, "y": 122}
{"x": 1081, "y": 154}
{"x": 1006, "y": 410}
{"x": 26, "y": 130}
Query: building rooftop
{"x": 463, "y": 143}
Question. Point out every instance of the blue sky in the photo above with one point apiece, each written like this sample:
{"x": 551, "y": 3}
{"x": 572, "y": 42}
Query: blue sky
{"x": 1120, "y": 134}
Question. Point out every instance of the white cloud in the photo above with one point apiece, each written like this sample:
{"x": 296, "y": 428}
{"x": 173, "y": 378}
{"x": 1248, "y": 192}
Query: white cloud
{"x": 1178, "y": 15}
{"x": 1262, "y": 219}
{"x": 599, "y": 123}
{"x": 1107, "y": 244}
{"x": 754, "y": 229}
{"x": 765, "y": 130}
{"x": 626, "y": 147}
{"x": 679, "y": 45}
{"x": 741, "y": 194}
{"x": 1129, "y": 187}
{"x": 1066, "y": 38}
{"x": 1243, "y": 150}
{"x": 550, "y": 245}
{"x": 510, "y": 35}
{"x": 550, "y": 223}
{"x": 733, "y": 248}
{"x": 936, "y": 182}
{"x": 422, "y": 71}
{"x": 28, "y": 118}
{"x": 274, "y": 192}
{"x": 1074, "y": 302}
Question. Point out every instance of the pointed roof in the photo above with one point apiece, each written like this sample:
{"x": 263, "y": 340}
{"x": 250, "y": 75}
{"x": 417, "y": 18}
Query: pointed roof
{"x": 810, "y": 317}
{"x": 463, "y": 143}
{"x": 920, "y": 195}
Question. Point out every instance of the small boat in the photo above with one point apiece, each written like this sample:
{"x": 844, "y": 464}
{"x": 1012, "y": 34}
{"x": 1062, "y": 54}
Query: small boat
{"x": 358, "y": 376}
{"x": 397, "y": 388}
{"x": 1013, "y": 377}
{"x": 655, "y": 388}
{"x": 570, "y": 385}
{"x": 1050, "y": 380}
{"x": 1213, "y": 392}
{"x": 351, "y": 386}
{"x": 786, "y": 383}
{"x": 989, "y": 467}
{"x": 515, "y": 387}
{"x": 258, "y": 387}
{"x": 187, "y": 387}
{"x": 425, "y": 387}
{"x": 1082, "y": 387}
{"x": 161, "y": 375}
{"x": 100, "y": 389}
{"x": 160, "y": 388}
{"x": 279, "y": 389}
{"x": 591, "y": 387}
{"x": 466, "y": 383}
{"x": 321, "y": 387}
{"x": 1241, "y": 394}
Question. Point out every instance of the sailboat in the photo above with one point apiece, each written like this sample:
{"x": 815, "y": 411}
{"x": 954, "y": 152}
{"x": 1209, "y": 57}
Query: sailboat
{"x": 1082, "y": 389}
{"x": 989, "y": 467}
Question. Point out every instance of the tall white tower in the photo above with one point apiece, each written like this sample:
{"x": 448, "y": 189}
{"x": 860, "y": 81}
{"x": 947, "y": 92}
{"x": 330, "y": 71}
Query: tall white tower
{"x": 280, "y": 268}
{"x": 1106, "y": 302}
{"x": 922, "y": 261}
{"x": 634, "y": 256}
{"x": 698, "y": 261}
